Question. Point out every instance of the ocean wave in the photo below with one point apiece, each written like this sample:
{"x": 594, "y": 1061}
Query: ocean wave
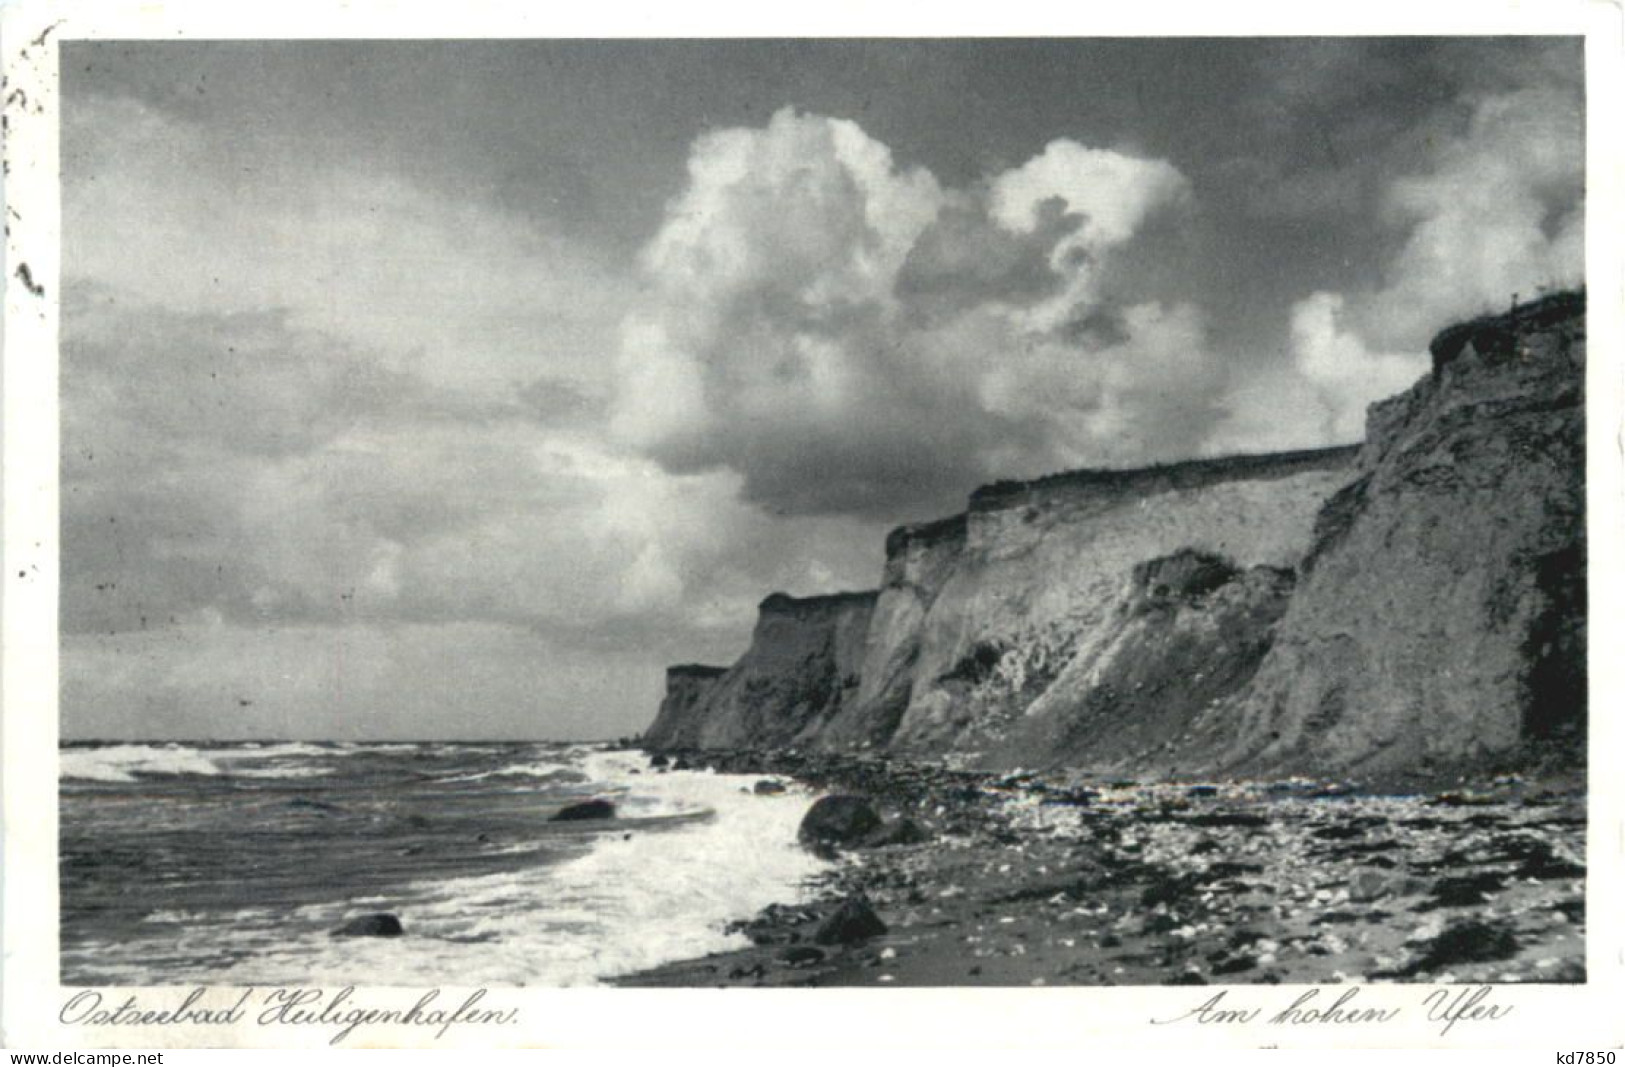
{"x": 303, "y": 770}
{"x": 636, "y": 898}
{"x": 276, "y": 750}
{"x": 522, "y": 770}
{"x": 121, "y": 763}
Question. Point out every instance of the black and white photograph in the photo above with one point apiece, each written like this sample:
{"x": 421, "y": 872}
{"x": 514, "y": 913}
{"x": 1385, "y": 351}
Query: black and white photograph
{"x": 911, "y": 511}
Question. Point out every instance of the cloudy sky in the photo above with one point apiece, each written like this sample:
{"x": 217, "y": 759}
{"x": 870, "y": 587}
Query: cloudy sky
{"x": 454, "y": 389}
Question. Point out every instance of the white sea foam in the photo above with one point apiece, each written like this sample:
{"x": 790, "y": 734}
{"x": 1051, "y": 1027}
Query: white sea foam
{"x": 519, "y": 770}
{"x": 303, "y": 770}
{"x": 631, "y": 902}
{"x": 120, "y": 763}
{"x": 276, "y": 750}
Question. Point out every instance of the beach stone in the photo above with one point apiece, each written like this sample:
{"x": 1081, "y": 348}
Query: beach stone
{"x": 1460, "y": 800}
{"x": 377, "y": 924}
{"x": 1368, "y": 885}
{"x": 1228, "y": 818}
{"x": 587, "y": 809}
{"x": 1466, "y": 890}
{"x": 773, "y": 925}
{"x": 802, "y": 955}
{"x": 1237, "y": 964}
{"x": 1473, "y": 941}
{"x": 768, "y": 787}
{"x": 901, "y": 832}
{"x": 1075, "y": 798}
{"x": 1537, "y": 859}
{"x": 1169, "y": 888}
{"x": 842, "y": 819}
{"x": 855, "y": 920}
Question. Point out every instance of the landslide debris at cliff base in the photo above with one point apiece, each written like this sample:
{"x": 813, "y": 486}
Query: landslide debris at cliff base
{"x": 1187, "y": 631}
{"x": 1026, "y": 879}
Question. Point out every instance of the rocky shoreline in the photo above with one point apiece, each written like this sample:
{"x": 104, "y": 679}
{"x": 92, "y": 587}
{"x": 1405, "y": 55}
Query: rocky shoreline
{"x": 958, "y": 878}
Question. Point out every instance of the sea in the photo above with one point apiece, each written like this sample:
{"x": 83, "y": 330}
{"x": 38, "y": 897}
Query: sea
{"x": 231, "y": 864}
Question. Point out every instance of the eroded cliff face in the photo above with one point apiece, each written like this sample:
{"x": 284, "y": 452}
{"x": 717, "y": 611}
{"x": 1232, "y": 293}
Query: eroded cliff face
{"x": 801, "y": 669}
{"x": 681, "y": 711}
{"x": 1186, "y": 632}
{"x": 920, "y": 560}
{"x": 1416, "y": 602}
{"x": 1044, "y": 563}
{"x": 981, "y": 613}
{"x": 1441, "y": 617}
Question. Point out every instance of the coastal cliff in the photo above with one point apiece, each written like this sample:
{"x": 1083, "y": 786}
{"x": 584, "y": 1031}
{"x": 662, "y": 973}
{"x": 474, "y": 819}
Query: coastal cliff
{"x": 1043, "y": 564}
{"x": 687, "y": 687}
{"x": 1441, "y": 619}
{"x": 800, "y": 671}
{"x": 1417, "y": 601}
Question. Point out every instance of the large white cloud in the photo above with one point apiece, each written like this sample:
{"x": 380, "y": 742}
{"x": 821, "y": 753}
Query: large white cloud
{"x": 1111, "y": 195}
{"x": 851, "y": 337}
{"x": 1498, "y": 214}
{"x": 1490, "y": 215}
{"x": 1345, "y": 374}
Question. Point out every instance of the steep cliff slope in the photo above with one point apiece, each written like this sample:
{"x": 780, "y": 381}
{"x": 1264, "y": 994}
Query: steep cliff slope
{"x": 1187, "y": 631}
{"x": 801, "y": 669}
{"x": 919, "y": 561}
{"x": 1042, "y": 569}
{"x": 1441, "y": 618}
{"x": 682, "y": 710}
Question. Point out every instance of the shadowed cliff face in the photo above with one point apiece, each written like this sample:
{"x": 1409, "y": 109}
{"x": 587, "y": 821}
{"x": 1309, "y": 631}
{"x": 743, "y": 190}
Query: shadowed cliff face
{"x": 800, "y": 670}
{"x": 678, "y": 723}
{"x": 1441, "y": 620}
{"x": 919, "y": 562}
{"x": 1413, "y": 605}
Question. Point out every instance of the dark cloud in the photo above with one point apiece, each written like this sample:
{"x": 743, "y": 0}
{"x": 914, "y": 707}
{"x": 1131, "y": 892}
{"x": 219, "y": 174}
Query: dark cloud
{"x": 249, "y": 381}
{"x": 559, "y": 401}
{"x": 965, "y": 258}
{"x": 1097, "y": 328}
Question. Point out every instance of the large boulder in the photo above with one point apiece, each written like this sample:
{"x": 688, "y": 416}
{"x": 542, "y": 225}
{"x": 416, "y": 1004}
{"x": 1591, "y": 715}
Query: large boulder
{"x": 587, "y": 809}
{"x": 1467, "y": 942}
{"x": 901, "y": 832}
{"x": 855, "y": 920}
{"x": 839, "y": 820}
{"x": 377, "y": 924}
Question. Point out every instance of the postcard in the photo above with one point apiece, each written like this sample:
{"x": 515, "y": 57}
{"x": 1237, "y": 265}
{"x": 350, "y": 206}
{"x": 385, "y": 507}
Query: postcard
{"x": 976, "y": 529}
